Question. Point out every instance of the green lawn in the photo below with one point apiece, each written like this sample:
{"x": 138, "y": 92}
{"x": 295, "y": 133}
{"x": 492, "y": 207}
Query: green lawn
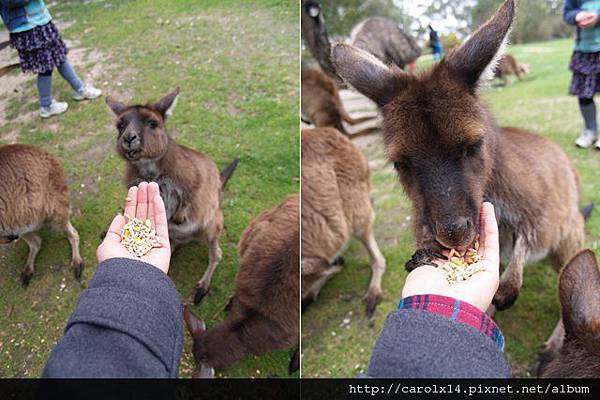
{"x": 237, "y": 65}
{"x": 336, "y": 336}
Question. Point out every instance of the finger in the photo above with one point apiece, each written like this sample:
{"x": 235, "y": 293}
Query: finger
{"x": 153, "y": 191}
{"x": 114, "y": 231}
{"x": 142, "y": 206}
{"x": 131, "y": 201}
{"x": 160, "y": 218}
{"x": 490, "y": 243}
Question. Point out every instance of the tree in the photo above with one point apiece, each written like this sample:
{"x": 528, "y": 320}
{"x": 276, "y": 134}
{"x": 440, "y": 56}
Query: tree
{"x": 535, "y": 19}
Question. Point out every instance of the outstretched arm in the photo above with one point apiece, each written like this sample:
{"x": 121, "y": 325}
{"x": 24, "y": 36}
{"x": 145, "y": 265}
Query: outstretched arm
{"x": 441, "y": 330}
{"x": 128, "y": 323}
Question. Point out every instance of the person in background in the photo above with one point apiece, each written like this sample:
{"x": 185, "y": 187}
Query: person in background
{"x": 41, "y": 50}
{"x": 441, "y": 330}
{"x": 128, "y": 322}
{"x": 585, "y": 64}
{"x": 435, "y": 44}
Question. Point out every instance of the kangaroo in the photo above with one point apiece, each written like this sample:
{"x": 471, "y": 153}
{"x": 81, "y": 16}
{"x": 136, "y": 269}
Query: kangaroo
{"x": 579, "y": 290}
{"x": 451, "y": 156}
{"x": 34, "y": 194}
{"x": 321, "y": 102}
{"x": 336, "y": 182}
{"x": 508, "y": 65}
{"x": 189, "y": 181}
{"x": 263, "y": 312}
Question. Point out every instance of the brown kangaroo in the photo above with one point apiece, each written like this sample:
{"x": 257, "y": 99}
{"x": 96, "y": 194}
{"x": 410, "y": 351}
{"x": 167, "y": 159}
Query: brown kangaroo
{"x": 321, "y": 102}
{"x": 451, "y": 156}
{"x": 189, "y": 181}
{"x": 264, "y": 311}
{"x": 336, "y": 182}
{"x": 579, "y": 289}
{"x": 34, "y": 194}
{"x": 508, "y": 65}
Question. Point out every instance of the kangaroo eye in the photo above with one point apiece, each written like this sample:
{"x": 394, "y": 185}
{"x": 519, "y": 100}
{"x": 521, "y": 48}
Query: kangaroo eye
{"x": 120, "y": 126}
{"x": 473, "y": 149}
{"x": 402, "y": 165}
{"x": 152, "y": 124}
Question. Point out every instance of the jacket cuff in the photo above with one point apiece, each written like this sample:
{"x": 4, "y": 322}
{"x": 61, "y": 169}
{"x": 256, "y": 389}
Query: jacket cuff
{"x": 570, "y": 16}
{"x": 455, "y": 310}
{"x": 135, "y": 298}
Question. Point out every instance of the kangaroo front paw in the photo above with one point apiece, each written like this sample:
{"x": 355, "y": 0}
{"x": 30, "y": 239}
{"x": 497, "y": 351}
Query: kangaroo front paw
{"x": 505, "y": 297}
{"x": 422, "y": 257}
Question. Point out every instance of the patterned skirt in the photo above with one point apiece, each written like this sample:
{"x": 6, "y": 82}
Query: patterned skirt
{"x": 40, "y": 49}
{"x": 586, "y": 74}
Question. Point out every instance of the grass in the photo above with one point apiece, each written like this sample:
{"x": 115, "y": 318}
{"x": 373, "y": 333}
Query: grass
{"x": 337, "y": 338}
{"x": 237, "y": 65}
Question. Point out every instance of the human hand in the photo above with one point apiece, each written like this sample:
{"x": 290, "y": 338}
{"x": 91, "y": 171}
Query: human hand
{"x": 586, "y": 19}
{"x": 480, "y": 288}
{"x": 143, "y": 202}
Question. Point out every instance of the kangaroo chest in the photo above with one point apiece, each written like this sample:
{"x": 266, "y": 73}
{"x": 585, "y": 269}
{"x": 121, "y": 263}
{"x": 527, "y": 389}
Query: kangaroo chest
{"x": 181, "y": 223}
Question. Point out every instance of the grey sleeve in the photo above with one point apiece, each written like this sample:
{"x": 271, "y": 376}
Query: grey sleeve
{"x": 419, "y": 344}
{"x": 128, "y": 323}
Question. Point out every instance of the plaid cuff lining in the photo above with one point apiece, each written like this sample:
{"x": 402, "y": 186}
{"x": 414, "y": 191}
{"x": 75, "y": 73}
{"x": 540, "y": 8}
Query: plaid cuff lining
{"x": 455, "y": 310}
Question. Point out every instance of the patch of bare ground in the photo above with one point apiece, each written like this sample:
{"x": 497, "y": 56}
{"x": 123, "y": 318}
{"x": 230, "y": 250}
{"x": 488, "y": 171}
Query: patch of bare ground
{"x": 18, "y": 96}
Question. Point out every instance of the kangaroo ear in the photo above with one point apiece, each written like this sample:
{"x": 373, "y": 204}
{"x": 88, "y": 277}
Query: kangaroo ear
{"x": 476, "y": 59}
{"x": 194, "y": 324}
{"x": 579, "y": 290}
{"x": 367, "y": 74}
{"x": 115, "y": 106}
{"x": 166, "y": 105}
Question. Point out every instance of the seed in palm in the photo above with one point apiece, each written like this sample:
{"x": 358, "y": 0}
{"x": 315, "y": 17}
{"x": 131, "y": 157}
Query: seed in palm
{"x": 138, "y": 237}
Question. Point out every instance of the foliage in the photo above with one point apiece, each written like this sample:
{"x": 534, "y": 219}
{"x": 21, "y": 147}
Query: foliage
{"x": 536, "y": 19}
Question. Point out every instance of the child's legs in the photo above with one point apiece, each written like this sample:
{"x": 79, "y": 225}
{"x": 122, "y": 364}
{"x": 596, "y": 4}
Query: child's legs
{"x": 68, "y": 73}
{"x": 44, "y": 85}
{"x": 588, "y": 112}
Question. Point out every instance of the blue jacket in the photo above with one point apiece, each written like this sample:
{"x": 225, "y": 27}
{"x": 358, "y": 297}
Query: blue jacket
{"x": 127, "y": 324}
{"x": 23, "y": 15}
{"x": 587, "y": 40}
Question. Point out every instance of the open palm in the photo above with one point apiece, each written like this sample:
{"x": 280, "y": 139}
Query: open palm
{"x": 480, "y": 288}
{"x": 143, "y": 202}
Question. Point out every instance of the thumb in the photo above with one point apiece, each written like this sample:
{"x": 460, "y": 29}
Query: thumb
{"x": 490, "y": 243}
{"x": 114, "y": 231}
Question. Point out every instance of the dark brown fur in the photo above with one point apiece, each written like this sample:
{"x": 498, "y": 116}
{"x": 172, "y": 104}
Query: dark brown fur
{"x": 451, "y": 156}
{"x": 189, "y": 180}
{"x": 34, "y": 194}
{"x": 264, "y": 311}
{"x": 321, "y": 102}
{"x": 579, "y": 289}
{"x": 336, "y": 182}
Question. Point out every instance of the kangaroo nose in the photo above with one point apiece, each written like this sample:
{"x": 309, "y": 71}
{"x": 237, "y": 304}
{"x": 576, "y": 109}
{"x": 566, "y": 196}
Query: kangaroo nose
{"x": 455, "y": 228}
{"x": 458, "y": 226}
{"x": 131, "y": 140}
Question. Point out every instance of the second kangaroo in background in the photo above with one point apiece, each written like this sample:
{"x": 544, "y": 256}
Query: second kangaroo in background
{"x": 321, "y": 102}
{"x": 190, "y": 183}
{"x": 336, "y": 182}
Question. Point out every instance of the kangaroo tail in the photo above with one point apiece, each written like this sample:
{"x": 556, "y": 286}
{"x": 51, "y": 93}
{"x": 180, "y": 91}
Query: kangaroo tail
{"x": 228, "y": 171}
